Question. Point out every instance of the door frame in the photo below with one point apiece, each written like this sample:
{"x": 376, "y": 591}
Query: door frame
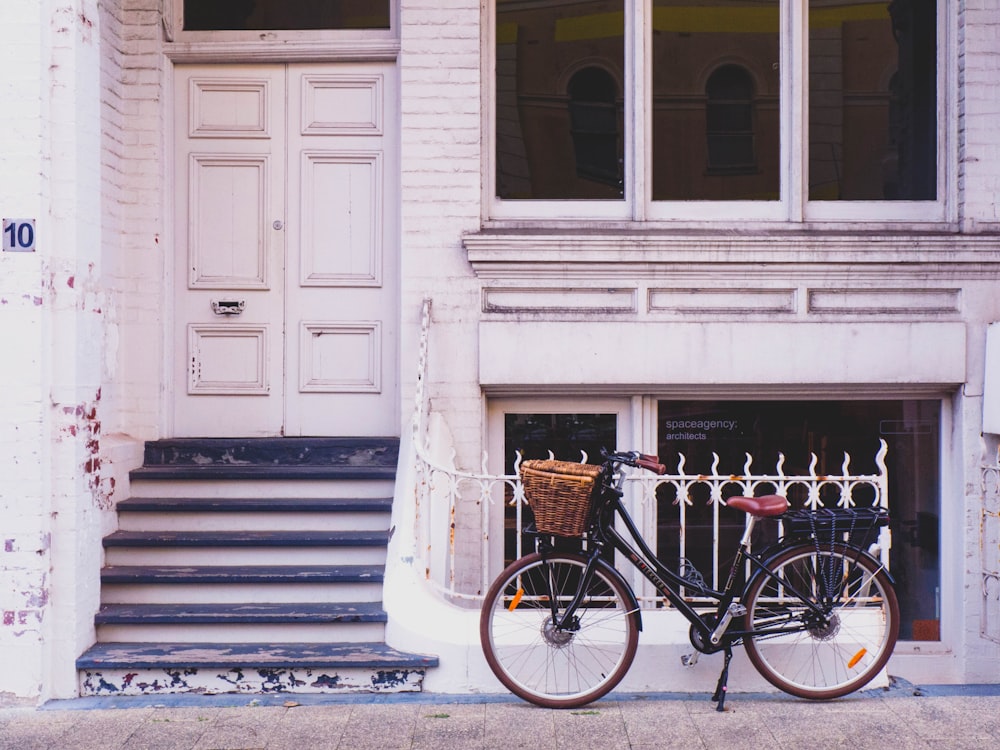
{"x": 344, "y": 48}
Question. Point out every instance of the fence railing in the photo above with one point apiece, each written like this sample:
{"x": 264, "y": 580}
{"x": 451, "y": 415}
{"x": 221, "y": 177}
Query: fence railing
{"x": 441, "y": 488}
{"x": 989, "y": 547}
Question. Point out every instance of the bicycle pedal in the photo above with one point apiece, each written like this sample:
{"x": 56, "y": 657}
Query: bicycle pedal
{"x": 689, "y": 660}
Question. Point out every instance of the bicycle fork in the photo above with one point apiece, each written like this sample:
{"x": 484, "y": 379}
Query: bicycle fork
{"x": 568, "y": 619}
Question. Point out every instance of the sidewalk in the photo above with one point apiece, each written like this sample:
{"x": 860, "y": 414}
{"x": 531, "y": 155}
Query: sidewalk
{"x": 960, "y": 717}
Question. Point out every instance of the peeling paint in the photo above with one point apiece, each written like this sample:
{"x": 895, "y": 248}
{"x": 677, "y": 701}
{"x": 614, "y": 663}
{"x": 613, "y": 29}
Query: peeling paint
{"x": 249, "y": 680}
{"x": 82, "y": 422}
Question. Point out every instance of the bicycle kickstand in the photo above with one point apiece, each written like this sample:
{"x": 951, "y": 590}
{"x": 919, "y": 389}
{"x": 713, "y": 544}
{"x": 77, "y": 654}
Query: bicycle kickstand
{"x": 720, "y": 689}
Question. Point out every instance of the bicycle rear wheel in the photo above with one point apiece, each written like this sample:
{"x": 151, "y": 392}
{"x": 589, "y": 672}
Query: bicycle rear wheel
{"x": 545, "y": 665}
{"x": 833, "y": 654}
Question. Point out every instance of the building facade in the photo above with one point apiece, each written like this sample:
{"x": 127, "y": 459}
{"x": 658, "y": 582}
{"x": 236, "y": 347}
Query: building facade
{"x": 688, "y": 227}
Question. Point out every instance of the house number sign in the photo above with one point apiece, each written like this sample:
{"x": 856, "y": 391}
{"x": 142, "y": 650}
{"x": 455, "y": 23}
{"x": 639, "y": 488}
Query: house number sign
{"x": 19, "y": 235}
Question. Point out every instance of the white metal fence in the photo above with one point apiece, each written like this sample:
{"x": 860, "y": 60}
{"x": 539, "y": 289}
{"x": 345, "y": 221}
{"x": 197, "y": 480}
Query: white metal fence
{"x": 989, "y": 544}
{"x": 441, "y": 488}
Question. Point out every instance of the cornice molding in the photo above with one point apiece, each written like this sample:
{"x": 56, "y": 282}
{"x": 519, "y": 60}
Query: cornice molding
{"x": 590, "y": 254}
{"x": 278, "y": 51}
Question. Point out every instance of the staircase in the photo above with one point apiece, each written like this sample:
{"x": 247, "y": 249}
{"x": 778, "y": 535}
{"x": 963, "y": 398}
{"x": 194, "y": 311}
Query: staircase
{"x": 250, "y": 565}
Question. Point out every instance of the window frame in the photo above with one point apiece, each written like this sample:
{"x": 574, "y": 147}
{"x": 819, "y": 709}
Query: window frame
{"x": 792, "y": 209}
{"x": 173, "y": 28}
{"x": 627, "y": 410}
{"x": 638, "y": 428}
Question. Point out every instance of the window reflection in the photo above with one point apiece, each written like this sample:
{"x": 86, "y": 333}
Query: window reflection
{"x": 872, "y": 100}
{"x": 729, "y": 121}
{"x": 828, "y": 429}
{"x": 558, "y": 68}
{"x": 716, "y": 74}
{"x": 594, "y": 125}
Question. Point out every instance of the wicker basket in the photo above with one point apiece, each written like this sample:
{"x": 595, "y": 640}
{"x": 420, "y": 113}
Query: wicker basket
{"x": 559, "y": 493}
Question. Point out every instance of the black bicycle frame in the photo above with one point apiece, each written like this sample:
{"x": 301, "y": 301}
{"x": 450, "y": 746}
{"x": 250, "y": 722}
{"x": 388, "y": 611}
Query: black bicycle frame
{"x": 603, "y": 531}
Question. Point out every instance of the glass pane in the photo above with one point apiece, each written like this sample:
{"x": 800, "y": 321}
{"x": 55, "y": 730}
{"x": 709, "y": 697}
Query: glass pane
{"x": 873, "y": 100}
{"x": 559, "y": 73}
{"x": 827, "y": 429}
{"x": 565, "y": 435}
{"x": 726, "y": 52}
{"x": 237, "y": 15}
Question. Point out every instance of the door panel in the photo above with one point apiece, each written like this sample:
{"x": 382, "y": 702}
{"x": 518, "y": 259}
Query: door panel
{"x": 228, "y": 240}
{"x": 286, "y": 292}
{"x": 342, "y": 292}
{"x": 228, "y": 273}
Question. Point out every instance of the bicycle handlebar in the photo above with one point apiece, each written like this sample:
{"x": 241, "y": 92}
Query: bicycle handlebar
{"x": 640, "y": 460}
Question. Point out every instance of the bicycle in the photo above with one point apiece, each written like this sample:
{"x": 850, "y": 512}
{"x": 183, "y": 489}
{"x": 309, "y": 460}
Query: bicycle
{"x": 817, "y": 615}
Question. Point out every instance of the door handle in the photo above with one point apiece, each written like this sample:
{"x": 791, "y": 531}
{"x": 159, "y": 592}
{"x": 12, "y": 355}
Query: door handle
{"x": 228, "y": 306}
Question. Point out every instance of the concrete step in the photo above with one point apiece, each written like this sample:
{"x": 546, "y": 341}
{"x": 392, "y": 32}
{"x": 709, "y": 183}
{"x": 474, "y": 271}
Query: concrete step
{"x": 244, "y": 548}
{"x": 244, "y": 632}
{"x": 221, "y": 574}
{"x": 241, "y": 622}
{"x": 180, "y": 614}
{"x": 257, "y": 504}
{"x": 220, "y": 514}
{"x": 234, "y": 584}
{"x": 216, "y": 472}
{"x": 250, "y": 565}
{"x": 143, "y": 669}
{"x": 282, "y": 452}
{"x": 264, "y": 487}
{"x": 240, "y": 538}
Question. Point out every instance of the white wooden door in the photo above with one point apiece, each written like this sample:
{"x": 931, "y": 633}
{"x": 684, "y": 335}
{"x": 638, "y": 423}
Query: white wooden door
{"x": 285, "y": 243}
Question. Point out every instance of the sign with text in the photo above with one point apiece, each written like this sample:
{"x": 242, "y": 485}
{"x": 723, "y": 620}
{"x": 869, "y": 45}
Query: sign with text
{"x": 19, "y": 235}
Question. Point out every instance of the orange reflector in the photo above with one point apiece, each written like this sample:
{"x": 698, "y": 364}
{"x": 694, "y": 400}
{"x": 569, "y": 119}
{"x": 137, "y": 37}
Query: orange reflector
{"x": 856, "y": 658}
{"x": 517, "y": 600}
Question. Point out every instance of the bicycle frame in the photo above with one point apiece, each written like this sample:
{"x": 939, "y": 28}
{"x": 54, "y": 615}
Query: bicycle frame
{"x": 713, "y": 627}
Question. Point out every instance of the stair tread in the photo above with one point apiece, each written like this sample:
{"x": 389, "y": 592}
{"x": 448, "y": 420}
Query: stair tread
{"x": 246, "y": 538}
{"x": 274, "y": 451}
{"x": 244, "y": 612}
{"x": 215, "y": 655}
{"x": 198, "y": 574}
{"x": 255, "y": 471}
{"x": 256, "y": 504}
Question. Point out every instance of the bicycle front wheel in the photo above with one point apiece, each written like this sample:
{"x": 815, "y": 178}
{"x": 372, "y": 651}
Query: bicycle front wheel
{"x": 833, "y": 653}
{"x": 542, "y": 663}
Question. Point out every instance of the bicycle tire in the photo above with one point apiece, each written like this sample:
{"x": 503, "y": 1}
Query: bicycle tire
{"x": 832, "y": 659}
{"x": 546, "y": 666}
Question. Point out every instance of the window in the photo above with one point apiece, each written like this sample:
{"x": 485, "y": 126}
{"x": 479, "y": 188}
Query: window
{"x": 208, "y": 15}
{"x": 565, "y": 436}
{"x": 729, "y": 121}
{"x": 828, "y": 429}
{"x": 732, "y": 429}
{"x": 534, "y": 426}
{"x": 326, "y": 29}
{"x": 779, "y": 110}
{"x": 594, "y": 125}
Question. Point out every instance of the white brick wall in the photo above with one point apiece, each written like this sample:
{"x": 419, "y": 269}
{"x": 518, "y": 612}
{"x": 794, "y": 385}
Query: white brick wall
{"x": 979, "y": 76}
{"x": 441, "y": 148}
{"x": 24, "y": 541}
{"x": 62, "y": 164}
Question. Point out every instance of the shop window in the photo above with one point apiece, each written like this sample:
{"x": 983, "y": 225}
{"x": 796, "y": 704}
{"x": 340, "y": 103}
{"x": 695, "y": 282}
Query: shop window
{"x": 535, "y": 435}
{"x": 828, "y": 429}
